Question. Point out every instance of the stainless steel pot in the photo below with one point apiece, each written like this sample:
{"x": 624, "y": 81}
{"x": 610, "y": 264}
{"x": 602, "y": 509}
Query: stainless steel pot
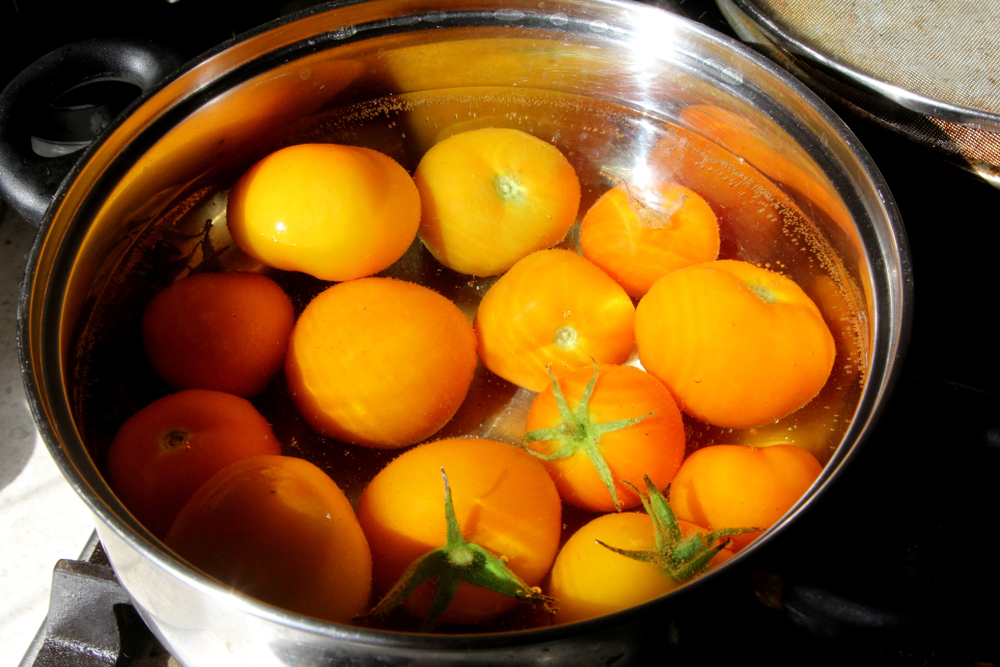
{"x": 280, "y": 83}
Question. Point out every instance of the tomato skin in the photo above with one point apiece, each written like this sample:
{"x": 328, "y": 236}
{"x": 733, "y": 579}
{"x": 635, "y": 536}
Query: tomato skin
{"x": 222, "y": 331}
{"x": 335, "y": 212}
{"x": 733, "y": 486}
{"x": 492, "y": 196}
{"x": 553, "y": 309}
{"x": 504, "y": 501}
{"x": 162, "y": 454}
{"x": 279, "y": 529}
{"x": 353, "y": 372}
{"x": 653, "y": 447}
{"x": 737, "y": 345}
{"x": 639, "y": 235}
{"x": 589, "y": 580}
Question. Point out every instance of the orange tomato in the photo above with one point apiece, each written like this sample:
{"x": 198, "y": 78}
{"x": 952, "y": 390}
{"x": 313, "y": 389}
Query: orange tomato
{"x": 278, "y": 529}
{"x": 222, "y": 331}
{"x": 653, "y": 446}
{"x": 380, "y": 362}
{"x": 504, "y": 502}
{"x": 590, "y": 580}
{"x": 164, "y": 452}
{"x": 637, "y": 235}
{"x": 553, "y": 308}
{"x": 492, "y": 196}
{"x": 334, "y": 212}
{"x": 732, "y": 485}
{"x": 737, "y": 345}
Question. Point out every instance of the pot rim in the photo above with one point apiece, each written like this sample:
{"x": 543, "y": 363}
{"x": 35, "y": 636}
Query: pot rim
{"x": 886, "y": 355}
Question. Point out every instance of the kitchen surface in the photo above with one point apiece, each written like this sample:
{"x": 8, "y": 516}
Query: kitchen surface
{"x": 41, "y": 517}
{"x": 894, "y": 566}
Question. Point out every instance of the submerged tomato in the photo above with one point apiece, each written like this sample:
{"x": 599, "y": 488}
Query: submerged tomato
{"x": 380, "y": 362}
{"x": 737, "y": 345}
{"x": 492, "y": 196}
{"x": 639, "y": 234}
{"x": 335, "y": 212}
{"x": 278, "y": 529}
{"x": 628, "y": 423}
{"x": 733, "y": 485}
{"x": 222, "y": 331}
{"x": 590, "y": 580}
{"x": 164, "y": 452}
{"x": 504, "y": 501}
{"x": 553, "y": 309}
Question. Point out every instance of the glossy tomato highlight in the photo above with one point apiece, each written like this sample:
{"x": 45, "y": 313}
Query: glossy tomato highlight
{"x": 335, "y": 212}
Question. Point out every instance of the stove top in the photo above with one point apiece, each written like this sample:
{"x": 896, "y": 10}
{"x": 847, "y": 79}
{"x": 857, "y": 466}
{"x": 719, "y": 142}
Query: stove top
{"x": 893, "y": 566}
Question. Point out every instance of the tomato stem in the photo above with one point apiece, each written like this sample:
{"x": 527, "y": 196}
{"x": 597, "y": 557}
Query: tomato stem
{"x": 576, "y": 432}
{"x": 508, "y": 188}
{"x": 175, "y": 438}
{"x": 455, "y": 562}
{"x": 681, "y": 558}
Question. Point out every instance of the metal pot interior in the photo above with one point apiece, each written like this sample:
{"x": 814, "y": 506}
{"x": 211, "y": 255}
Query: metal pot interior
{"x": 622, "y": 89}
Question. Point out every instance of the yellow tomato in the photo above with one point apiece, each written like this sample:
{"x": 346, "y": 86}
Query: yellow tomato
{"x": 504, "y": 502}
{"x": 492, "y": 196}
{"x": 653, "y": 445}
{"x": 737, "y": 345}
{"x": 334, "y": 212}
{"x": 590, "y": 580}
{"x": 380, "y": 362}
{"x": 731, "y": 485}
{"x": 639, "y": 234}
{"x": 278, "y": 529}
{"x": 553, "y": 309}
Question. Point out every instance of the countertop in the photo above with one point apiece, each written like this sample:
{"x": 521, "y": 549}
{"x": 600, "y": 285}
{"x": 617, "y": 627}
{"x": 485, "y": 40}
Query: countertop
{"x": 41, "y": 517}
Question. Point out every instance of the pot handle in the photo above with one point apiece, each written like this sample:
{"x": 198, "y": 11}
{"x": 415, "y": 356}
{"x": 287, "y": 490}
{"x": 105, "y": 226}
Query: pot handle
{"x": 28, "y": 182}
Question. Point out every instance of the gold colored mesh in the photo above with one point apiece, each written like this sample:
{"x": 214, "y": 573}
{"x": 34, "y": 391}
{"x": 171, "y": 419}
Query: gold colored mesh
{"x": 946, "y": 50}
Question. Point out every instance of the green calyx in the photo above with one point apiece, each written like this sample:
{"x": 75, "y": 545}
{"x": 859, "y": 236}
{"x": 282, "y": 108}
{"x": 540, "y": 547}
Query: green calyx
{"x": 451, "y": 564}
{"x": 508, "y": 189}
{"x": 576, "y": 432}
{"x": 681, "y": 558}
